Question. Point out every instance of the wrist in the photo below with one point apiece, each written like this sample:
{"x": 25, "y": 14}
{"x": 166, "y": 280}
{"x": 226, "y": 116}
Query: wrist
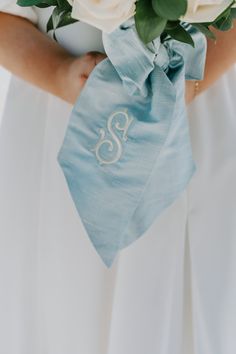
{"x": 62, "y": 76}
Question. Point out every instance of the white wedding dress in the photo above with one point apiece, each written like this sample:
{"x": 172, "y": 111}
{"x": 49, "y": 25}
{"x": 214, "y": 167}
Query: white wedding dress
{"x": 171, "y": 292}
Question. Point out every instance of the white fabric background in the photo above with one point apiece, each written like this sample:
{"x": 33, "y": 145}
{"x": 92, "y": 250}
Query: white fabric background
{"x": 171, "y": 292}
{"x": 4, "y": 82}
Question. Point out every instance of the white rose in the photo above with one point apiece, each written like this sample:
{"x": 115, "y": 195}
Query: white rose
{"x": 106, "y": 15}
{"x": 204, "y": 10}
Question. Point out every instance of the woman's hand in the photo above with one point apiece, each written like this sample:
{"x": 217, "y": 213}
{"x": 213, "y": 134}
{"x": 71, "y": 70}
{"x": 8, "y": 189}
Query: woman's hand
{"x": 74, "y": 72}
{"x": 34, "y": 57}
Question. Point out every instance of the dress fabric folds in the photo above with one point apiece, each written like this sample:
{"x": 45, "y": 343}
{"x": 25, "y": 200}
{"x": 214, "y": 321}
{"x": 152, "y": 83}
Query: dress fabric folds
{"x": 171, "y": 292}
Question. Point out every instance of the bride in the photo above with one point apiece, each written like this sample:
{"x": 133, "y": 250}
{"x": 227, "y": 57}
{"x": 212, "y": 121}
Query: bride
{"x": 172, "y": 291}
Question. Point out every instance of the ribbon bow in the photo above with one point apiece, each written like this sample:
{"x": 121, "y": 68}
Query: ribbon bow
{"x": 126, "y": 154}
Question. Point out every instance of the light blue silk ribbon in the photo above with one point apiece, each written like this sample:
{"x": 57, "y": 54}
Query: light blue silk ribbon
{"x": 126, "y": 154}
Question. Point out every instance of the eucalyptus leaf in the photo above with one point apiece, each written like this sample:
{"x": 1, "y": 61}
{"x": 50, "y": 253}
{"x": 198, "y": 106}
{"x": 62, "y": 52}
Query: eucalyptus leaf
{"x": 66, "y": 20}
{"x": 180, "y": 34}
{"x": 64, "y": 4}
{"x": 38, "y": 3}
{"x": 26, "y": 3}
{"x": 50, "y": 24}
{"x": 56, "y": 17}
{"x": 229, "y": 8}
{"x": 43, "y": 5}
{"x": 171, "y": 25}
{"x": 205, "y": 30}
{"x": 225, "y": 22}
{"x": 50, "y": 2}
{"x": 149, "y": 25}
{"x": 54, "y": 36}
{"x": 170, "y": 9}
{"x": 59, "y": 18}
{"x": 233, "y": 13}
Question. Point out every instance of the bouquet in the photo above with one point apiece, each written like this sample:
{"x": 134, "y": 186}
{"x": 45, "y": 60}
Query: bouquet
{"x": 153, "y": 18}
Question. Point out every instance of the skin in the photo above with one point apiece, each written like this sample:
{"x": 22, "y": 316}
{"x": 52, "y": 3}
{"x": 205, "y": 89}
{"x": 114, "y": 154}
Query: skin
{"x": 221, "y": 56}
{"x": 31, "y": 55}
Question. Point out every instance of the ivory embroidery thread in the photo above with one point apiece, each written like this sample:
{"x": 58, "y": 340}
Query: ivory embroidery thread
{"x": 115, "y": 142}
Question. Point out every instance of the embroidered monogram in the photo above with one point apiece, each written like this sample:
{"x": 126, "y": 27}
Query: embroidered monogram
{"x": 114, "y": 145}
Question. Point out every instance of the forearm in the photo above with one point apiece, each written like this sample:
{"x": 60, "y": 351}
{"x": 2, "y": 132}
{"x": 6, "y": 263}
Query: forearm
{"x": 221, "y": 56}
{"x": 30, "y": 54}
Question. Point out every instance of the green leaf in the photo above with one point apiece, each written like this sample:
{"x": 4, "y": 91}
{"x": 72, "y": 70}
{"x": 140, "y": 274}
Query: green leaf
{"x": 59, "y": 18}
{"x": 54, "y": 36}
{"x": 171, "y": 25}
{"x": 26, "y": 3}
{"x": 66, "y": 20}
{"x": 50, "y": 2}
{"x": 225, "y": 22}
{"x": 64, "y": 5}
{"x": 47, "y": 3}
{"x": 205, "y": 30}
{"x": 170, "y": 9}
{"x": 38, "y": 3}
{"x": 42, "y": 5}
{"x": 56, "y": 17}
{"x": 233, "y": 13}
{"x": 148, "y": 24}
{"x": 50, "y": 24}
{"x": 180, "y": 34}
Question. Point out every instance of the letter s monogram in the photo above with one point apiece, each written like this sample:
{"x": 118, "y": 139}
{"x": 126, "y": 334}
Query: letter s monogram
{"x": 115, "y": 141}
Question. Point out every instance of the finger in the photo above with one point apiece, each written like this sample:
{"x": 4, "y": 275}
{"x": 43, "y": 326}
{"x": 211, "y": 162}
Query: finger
{"x": 99, "y": 57}
{"x": 89, "y": 61}
{"x": 96, "y": 57}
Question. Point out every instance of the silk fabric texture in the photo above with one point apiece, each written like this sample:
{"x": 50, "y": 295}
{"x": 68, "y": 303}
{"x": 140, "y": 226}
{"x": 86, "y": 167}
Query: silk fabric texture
{"x": 126, "y": 154}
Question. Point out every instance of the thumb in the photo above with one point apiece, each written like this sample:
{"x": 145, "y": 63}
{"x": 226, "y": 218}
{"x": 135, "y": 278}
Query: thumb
{"x": 99, "y": 57}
